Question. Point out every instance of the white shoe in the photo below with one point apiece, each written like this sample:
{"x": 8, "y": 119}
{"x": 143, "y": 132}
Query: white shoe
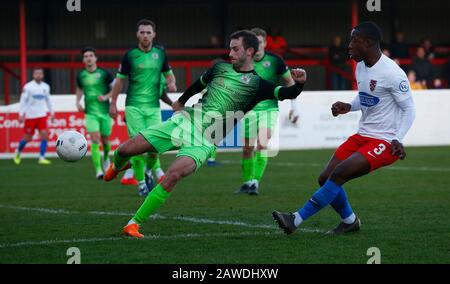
{"x": 105, "y": 164}
{"x": 99, "y": 175}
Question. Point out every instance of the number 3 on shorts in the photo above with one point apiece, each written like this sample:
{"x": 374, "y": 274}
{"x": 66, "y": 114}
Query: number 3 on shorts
{"x": 381, "y": 147}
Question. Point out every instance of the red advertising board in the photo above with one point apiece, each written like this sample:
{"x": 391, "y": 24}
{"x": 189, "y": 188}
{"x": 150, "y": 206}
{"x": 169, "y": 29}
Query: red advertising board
{"x": 11, "y": 131}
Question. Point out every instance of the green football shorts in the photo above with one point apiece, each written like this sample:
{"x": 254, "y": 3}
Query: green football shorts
{"x": 138, "y": 119}
{"x": 99, "y": 123}
{"x": 255, "y": 120}
{"x": 178, "y": 133}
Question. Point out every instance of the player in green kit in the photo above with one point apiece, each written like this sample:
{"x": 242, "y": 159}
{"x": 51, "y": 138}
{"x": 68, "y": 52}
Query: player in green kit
{"x": 128, "y": 177}
{"x": 232, "y": 90}
{"x": 259, "y": 124}
{"x": 142, "y": 66}
{"x": 95, "y": 83}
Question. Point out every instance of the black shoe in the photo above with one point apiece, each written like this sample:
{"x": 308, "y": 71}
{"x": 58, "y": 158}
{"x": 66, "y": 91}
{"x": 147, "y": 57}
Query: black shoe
{"x": 285, "y": 221}
{"x": 253, "y": 190}
{"x": 243, "y": 189}
{"x": 343, "y": 228}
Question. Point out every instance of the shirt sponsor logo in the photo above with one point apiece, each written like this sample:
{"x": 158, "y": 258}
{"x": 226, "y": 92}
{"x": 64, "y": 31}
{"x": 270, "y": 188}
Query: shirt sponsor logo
{"x": 368, "y": 100}
{"x": 373, "y": 85}
{"x": 403, "y": 86}
{"x": 38, "y": 96}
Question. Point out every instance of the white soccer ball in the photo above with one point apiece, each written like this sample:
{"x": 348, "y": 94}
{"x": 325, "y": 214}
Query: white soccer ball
{"x": 71, "y": 146}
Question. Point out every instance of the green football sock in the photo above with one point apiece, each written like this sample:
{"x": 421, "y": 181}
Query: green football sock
{"x": 151, "y": 161}
{"x": 138, "y": 166}
{"x": 248, "y": 169}
{"x": 260, "y": 165}
{"x": 213, "y": 154}
{"x": 157, "y": 164}
{"x": 154, "y": 200}
{"x": 106, "y": 149}
{"x": 119, "y": 161}
{"x": 96, "y": 159}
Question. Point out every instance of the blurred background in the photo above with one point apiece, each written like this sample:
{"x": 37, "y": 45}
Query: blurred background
{"x": 309, "y": 34}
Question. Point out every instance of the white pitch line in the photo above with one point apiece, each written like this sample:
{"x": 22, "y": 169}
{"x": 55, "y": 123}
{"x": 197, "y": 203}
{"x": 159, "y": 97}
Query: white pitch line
{"x": 394, "y": 168}
{"x": 147, "y": 237}
{"x": 157, "y": 216}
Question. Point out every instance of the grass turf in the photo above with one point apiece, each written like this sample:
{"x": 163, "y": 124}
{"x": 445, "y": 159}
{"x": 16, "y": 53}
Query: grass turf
{"x": 404, "y": 210}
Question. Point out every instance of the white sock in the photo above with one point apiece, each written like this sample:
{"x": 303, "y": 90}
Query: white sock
{"x": 298, "y": 219}
{"x": 131, "y": 222}
{"x": 350, "y": 219}
{"x": 255, "y": 182}
{"x": 249, "y": 182}
{"x": 141, "y": 183}
{"x": 159, "y": 173}
{"x": 128, "y": 174}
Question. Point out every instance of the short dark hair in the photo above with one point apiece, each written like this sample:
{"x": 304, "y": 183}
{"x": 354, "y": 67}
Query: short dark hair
{"x": 87, "y": 49}
{"x": 370, "y": 30}
{"x": 145, "y": 22}
{"x": 249, "y": 39}
{"x": 259, "y": 32}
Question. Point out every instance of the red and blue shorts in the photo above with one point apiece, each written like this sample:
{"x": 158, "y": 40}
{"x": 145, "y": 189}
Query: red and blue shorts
{"x": 376, "y": 151}
{"x": 39, "y": 123}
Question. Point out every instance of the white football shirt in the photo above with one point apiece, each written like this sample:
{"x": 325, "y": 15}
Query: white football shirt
{"x": 35, "y": 100}
{"x": 380, "y": 90}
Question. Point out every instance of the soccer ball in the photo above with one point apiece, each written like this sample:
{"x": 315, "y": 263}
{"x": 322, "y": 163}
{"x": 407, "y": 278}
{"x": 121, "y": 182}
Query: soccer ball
{"x": 71, "y": 146}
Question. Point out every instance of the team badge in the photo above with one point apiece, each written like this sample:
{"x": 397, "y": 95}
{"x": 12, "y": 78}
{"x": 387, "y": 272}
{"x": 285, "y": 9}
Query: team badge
{"x": 373, "y": 84}
{"x": 97, "y": 75}
{"x": 155, "y": 56}
{"x": 404, "y": 86}
{"x": 266, "y": 64}
{"x": 245, "y": 78}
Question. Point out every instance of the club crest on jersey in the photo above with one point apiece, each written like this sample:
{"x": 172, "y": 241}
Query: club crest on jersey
{"x": 245, "y": 78}
{"x": 97, "y": 75}
{"x": 373, "y": 84}
{"x": 404, "y": 86}
{"x": 266, "y": 64}
{"x": 368, "y": 100}
{"x": 155, "y": 56}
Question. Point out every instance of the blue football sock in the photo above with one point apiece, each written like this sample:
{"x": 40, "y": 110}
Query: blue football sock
{"x": 321, "y": 198}
{"x": 43, "y": 147}
{"x": 22, "y": 144}
{"x": 341, "y": 205}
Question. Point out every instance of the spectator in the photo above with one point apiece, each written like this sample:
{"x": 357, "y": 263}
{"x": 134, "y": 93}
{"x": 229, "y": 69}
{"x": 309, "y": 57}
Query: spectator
{"x": 415, "y": 85}
{"x": 429, "y": 49}
{"x": 338, "y": 57}
{"x": 276, "y": 41}
{"x": 422, "y": 66}
{"x": 437, "y": 84}
{"x": 399, "y": 48}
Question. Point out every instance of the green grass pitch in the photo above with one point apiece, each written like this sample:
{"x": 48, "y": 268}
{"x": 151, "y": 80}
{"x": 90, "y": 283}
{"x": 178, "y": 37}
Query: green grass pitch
{"x": 404, "y": 209}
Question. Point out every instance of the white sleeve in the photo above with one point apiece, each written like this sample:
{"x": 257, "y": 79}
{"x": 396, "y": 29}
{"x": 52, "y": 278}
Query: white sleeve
{"x": 356, "y": 105}
{"x": 408, "y": 115}
{"x": 294, "y": 107}
{"x": 49, "y": 102}
{"x": 24, "y": 99}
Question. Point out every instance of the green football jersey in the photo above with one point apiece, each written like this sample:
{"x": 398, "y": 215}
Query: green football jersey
{"x": 143, "y": 70}
{"x": 230, "y": 94}
{"x": 271, "y": 67}
{"x": 95, "y": 84}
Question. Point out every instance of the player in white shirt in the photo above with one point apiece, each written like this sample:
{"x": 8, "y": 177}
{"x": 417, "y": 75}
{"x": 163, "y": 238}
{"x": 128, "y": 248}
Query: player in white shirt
{"x": 34, "y": 105}
{"x": 388, "y": 112}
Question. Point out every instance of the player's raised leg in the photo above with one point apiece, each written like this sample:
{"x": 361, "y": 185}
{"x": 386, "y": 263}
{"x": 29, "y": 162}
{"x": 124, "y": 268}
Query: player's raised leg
{"x": 132, "y": 147}
{"x": 182, "y": 167}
